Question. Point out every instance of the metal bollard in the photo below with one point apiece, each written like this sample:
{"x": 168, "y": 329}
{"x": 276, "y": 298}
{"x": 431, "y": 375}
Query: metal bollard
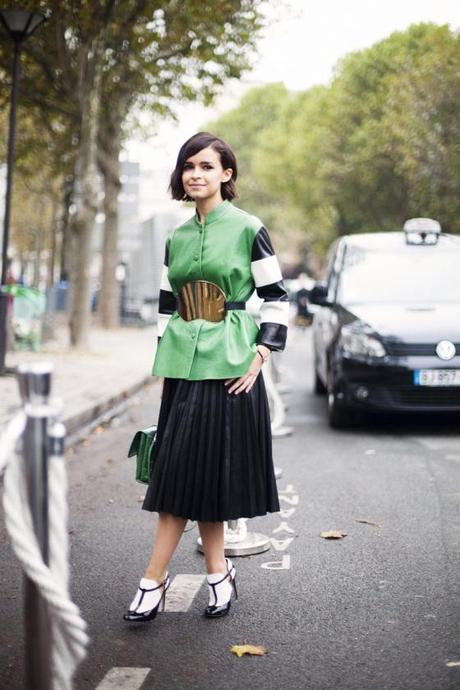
{"x": 239, "y": 542}
{"x": 35, "y": 385}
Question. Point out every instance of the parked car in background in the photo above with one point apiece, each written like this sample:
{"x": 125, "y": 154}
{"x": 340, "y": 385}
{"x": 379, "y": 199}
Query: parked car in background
{"x": 387, "y": 336}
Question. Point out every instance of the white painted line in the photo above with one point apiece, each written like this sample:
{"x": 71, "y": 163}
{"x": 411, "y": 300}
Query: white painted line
{"x": 286, "y": 513}
{"x": 292, "y": 500}
{"x": 182, "y": 591}
{"x": 284, "y": 564}
{"x": 288, "y": 490}
{"x": 284, "y": 527}
{"x": 281, "y": 544}
{"x": 123, "y": 678}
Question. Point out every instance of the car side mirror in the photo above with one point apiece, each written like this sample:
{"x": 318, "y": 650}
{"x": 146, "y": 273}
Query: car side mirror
{"x": 318, "y": 294}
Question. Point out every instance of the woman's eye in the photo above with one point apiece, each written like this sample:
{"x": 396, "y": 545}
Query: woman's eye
{"x": 207, "y": 167}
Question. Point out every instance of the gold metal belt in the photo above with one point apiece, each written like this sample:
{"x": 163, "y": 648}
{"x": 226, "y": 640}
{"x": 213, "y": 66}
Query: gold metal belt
{"x": 200, "y": 299}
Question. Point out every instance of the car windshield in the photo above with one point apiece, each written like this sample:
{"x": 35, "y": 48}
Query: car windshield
{"x": 414, "y": 275}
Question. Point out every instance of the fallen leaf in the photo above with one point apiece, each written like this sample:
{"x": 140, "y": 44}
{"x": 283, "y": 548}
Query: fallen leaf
{"x": 367, "y": 522}
{"x": 140, "y": 499}
{"x": 99, "y": 430}
{"x": 333, "y": 534}
{"x": 252, "y": 649}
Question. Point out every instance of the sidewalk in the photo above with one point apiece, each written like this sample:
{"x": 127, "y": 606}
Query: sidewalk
{"x": 119, "y": 362}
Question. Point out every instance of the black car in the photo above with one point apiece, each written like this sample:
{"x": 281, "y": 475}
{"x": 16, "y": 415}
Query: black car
{"x": 388, "y": 334}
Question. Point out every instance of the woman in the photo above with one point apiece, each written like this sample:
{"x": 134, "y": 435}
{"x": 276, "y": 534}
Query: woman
{"x": 212, "y": 459}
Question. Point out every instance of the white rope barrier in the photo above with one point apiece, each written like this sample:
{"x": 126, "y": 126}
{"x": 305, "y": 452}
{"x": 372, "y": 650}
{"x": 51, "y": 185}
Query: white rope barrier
{"x": 69, "y": 636}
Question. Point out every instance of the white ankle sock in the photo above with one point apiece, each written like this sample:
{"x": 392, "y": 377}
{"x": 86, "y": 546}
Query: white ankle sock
{"x": 223, "y": 590}
{"x": 150, "y": 599}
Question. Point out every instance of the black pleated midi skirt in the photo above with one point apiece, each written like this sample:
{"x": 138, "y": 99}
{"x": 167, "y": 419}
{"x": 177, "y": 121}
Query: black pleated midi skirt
{"x": 212, "y": 459}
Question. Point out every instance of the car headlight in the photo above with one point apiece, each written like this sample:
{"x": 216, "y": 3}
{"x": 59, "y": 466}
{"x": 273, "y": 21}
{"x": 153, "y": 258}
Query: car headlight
{"x": 354, "y": 342}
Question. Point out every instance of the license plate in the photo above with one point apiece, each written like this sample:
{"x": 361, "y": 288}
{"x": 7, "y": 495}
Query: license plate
{"x": 437, "y": 377}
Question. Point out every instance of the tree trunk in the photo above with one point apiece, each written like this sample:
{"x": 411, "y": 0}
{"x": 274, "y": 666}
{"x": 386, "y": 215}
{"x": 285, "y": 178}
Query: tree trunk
{"x": 37, "y": 255}
{"x": 65, "y": 250}
{"x": 108, "y": 159}
{"x": 86, "y": 201}
{"x": 53, "y": 245}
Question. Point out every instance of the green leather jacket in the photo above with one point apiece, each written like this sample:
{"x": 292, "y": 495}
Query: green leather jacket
{"x": 233, "y": 250}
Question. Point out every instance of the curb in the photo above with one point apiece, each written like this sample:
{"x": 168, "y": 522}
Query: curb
{"x": 81, "y": 424}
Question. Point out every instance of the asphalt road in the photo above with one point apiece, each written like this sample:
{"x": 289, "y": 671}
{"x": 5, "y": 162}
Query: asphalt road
{"x": 376, "y": 610}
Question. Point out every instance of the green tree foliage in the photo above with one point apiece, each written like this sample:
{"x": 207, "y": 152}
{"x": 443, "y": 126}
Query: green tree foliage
{"x": 244, "y": 128}
{"x": 93, "y": 60}
{"x": 366, "y": 182}
{"x": 380, "y": 144}
{"x": 425, "y": 103}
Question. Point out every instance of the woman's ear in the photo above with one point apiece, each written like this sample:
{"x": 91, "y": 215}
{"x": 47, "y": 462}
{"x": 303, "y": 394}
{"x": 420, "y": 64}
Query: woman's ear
{"x": 227, "y": 174}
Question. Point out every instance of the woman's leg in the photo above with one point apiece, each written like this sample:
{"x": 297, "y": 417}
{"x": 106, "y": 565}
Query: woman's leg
{"x": 168, "y": 534}
{"x": 212, "y": 536}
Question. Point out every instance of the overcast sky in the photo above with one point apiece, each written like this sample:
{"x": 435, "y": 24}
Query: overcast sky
{"x": 304, "y": 46}
{"x": 300, "y": 48}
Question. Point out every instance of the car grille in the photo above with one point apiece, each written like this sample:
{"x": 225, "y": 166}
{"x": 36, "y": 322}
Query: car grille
{"x": 398, "y": 349}
{"x": 426, "y": 395}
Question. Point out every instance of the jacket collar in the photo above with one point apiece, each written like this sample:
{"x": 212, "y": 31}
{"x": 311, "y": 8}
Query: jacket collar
{"x": 216, "y": 213}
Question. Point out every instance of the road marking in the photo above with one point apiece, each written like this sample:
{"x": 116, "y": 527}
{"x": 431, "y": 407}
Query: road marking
{"x": 284, "y": 564}
{"x": 288, "y": 490}
{"x": 281, "y": 544}
{"x": 182, "y": 592}
{"x": 437, "y": 443}
{"x": 287, "y": 512}
{"x": 292, "y": 500}
{"x": 123, "y": 678}
{"x": 284, "y": 527}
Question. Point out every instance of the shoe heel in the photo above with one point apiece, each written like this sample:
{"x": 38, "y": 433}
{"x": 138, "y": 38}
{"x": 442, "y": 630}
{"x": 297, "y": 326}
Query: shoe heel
{"x": 234, "y": 587}
{"x": 166, "y": 584}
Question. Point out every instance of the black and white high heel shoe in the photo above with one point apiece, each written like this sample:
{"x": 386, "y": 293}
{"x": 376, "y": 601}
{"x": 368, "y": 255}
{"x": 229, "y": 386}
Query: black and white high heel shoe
{"x": 221, "y": 587}
{"x": 150, "y": 598}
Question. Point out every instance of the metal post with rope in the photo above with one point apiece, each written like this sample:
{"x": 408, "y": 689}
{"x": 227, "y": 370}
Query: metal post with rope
{"x": 35, "y": 507}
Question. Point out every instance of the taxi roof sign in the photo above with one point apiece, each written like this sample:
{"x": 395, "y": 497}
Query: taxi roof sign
{"x": 422, "y": 231}
{"x": 422, "y": 225}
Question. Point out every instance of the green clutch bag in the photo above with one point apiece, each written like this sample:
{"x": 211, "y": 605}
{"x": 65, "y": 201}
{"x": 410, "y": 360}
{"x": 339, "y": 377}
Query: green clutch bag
{"x": 142, "y": 447}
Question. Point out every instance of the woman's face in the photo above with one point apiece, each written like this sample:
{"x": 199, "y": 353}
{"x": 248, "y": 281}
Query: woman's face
{"x": 203, "y": 175}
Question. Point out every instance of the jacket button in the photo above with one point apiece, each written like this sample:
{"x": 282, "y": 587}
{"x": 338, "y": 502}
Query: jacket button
{"x": 193, "y": 336}
{"x": 195, "y": 258}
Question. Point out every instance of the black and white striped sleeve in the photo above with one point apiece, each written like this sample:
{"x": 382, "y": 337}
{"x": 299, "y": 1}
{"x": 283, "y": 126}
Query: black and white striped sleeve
{"x": 167, "y": 302}
{"x": 268, "y": 280}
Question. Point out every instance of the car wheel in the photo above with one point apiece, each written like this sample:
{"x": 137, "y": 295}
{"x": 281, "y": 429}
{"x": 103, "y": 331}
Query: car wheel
{"x": 319, "y": 387}
{"x": 339, "y": 417}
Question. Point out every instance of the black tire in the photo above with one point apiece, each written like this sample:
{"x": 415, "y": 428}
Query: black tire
{"x": 319, "y": 387}
{"x": 339, "y": 416}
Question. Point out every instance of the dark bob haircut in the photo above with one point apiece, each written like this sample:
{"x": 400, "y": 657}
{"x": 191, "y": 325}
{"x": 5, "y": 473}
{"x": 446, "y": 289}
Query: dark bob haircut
{"x": 192, "y": 146}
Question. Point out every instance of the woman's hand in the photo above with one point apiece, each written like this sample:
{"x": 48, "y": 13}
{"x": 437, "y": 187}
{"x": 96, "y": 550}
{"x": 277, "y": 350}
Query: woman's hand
{"x": 245, "y": 383}
{"x": 161, "y": 381}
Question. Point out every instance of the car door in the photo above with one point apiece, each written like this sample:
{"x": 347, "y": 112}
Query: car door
{"x": 326, "y": 322}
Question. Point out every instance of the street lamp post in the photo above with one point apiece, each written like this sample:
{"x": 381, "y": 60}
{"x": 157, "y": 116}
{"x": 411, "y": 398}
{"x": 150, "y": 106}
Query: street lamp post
{"x": 19, "y": 25}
